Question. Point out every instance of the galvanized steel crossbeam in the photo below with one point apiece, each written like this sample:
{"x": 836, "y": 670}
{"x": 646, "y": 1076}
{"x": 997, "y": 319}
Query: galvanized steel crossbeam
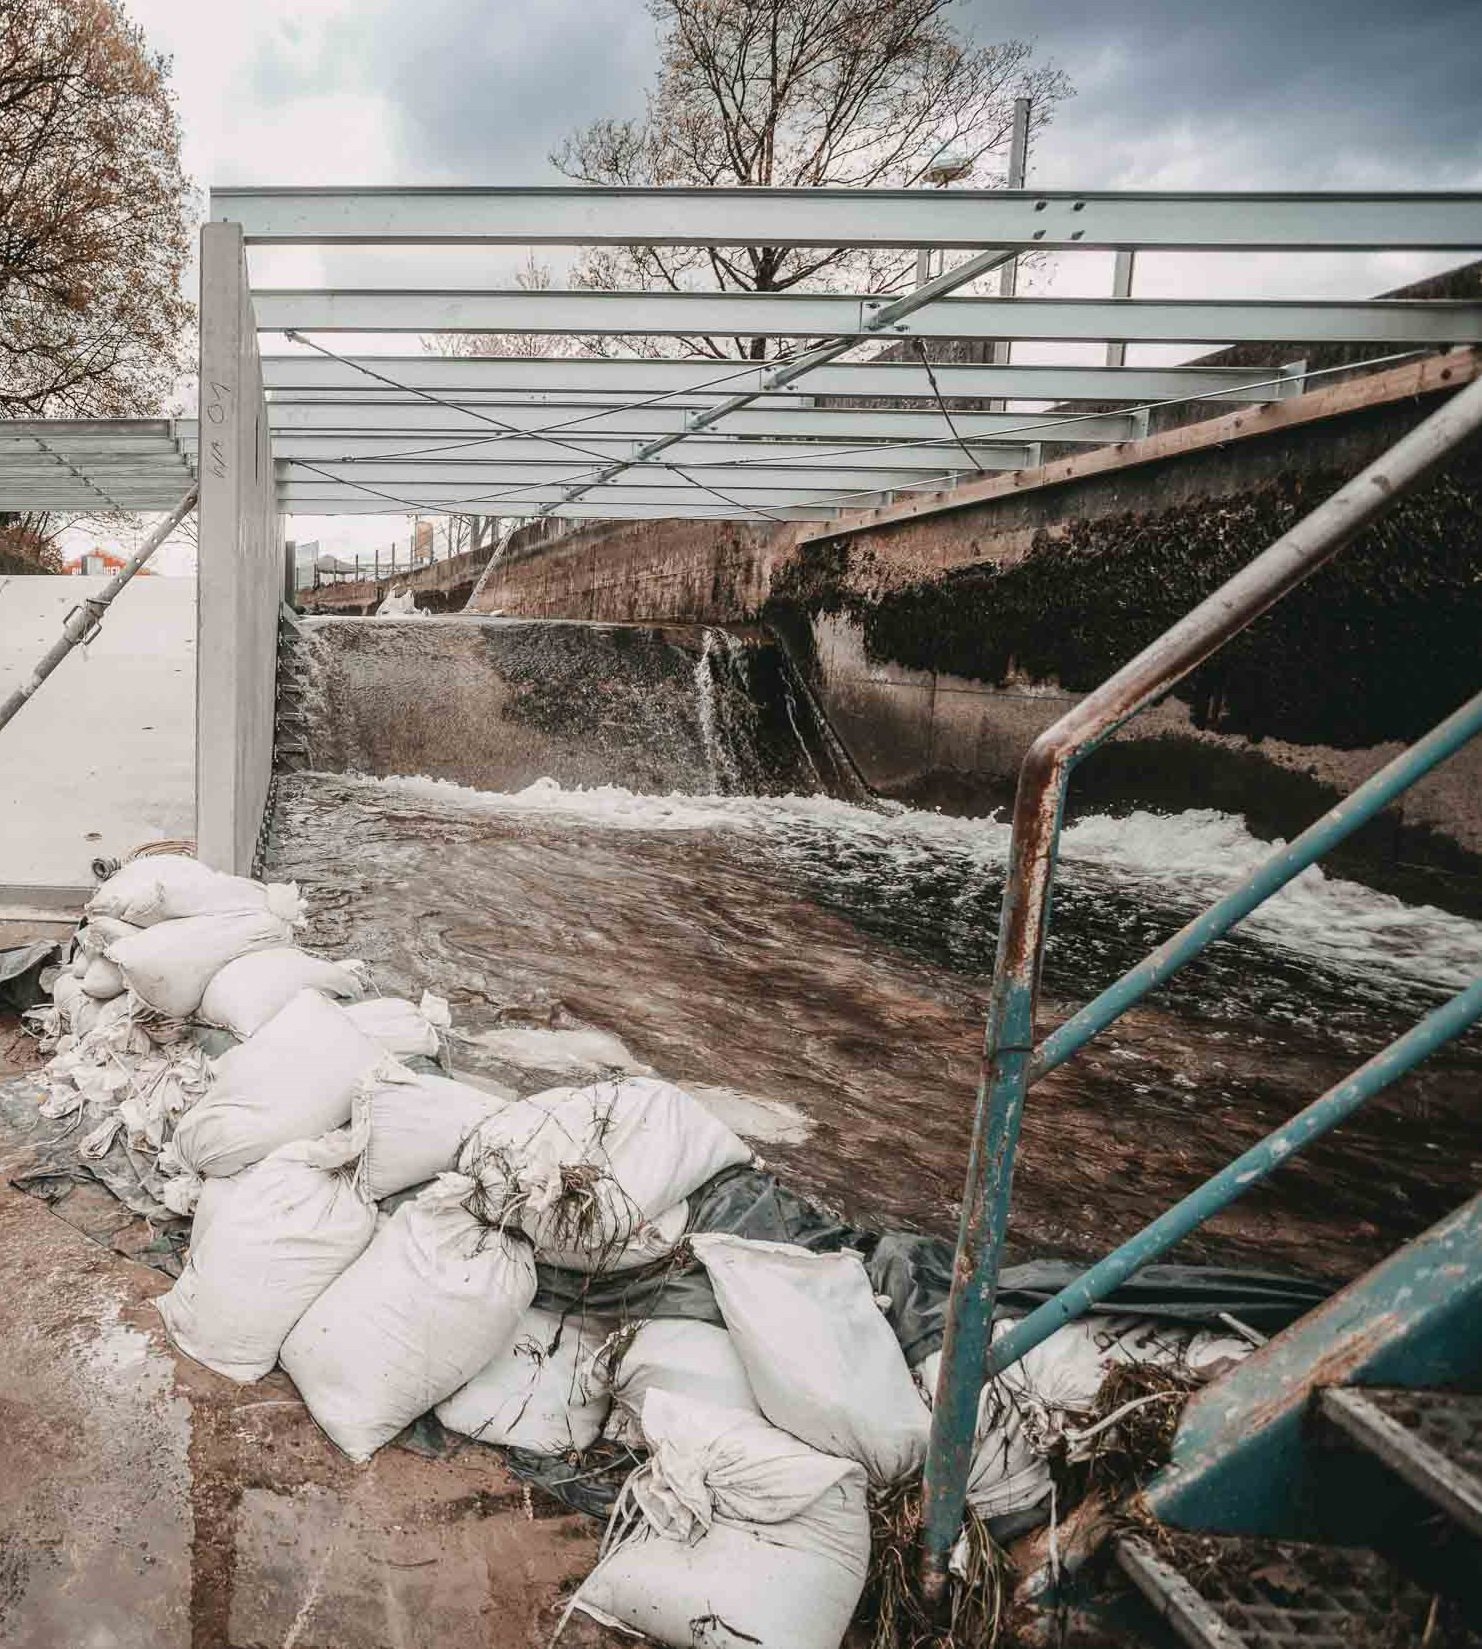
{"x": 355, "y": 454}
{"x": 1012, "y": 219}
{"x": 91, "y": 464}
{"x": 455, "y": 377}
{"x": 365, "y": 428}
{"x": 817, "y": 315}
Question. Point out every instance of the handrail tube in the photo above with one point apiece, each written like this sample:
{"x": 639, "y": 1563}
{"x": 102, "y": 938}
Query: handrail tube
{"x": 1272, "y": 874}
{"x": 83, "y": 622}
{"x": 1234, "y": 1180}
{"x": 1038, "y": 806}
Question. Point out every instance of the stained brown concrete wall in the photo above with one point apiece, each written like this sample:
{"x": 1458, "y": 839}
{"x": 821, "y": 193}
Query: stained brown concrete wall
{"x": 704, "y": 572}
{"x": 899, "y": 627}
{"x": 440, "y": 586}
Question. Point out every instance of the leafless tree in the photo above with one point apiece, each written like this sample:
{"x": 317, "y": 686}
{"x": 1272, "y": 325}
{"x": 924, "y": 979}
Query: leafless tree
{"x": 804, "y": 94}
{"x": 532, "y": 276}
{"x": 26, "y": 547}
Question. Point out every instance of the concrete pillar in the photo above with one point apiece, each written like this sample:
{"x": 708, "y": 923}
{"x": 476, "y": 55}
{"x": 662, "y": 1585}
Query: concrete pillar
{"x": 239, "y": 566}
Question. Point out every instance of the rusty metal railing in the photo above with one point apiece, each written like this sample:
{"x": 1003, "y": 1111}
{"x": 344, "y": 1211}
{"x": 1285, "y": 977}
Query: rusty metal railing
{"x": 1010, "y": 1059}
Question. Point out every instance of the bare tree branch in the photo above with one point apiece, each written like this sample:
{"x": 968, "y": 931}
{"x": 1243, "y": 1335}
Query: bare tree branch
{"x": 800, "y": 94}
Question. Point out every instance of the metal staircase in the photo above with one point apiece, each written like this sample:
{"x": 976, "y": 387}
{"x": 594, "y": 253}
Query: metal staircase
{"x": 1329, "y": 1489}
{"x": 1334, "y": 1479}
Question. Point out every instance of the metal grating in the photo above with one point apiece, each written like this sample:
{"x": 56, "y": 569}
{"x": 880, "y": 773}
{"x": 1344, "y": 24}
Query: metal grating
{"x": 1221, "y": 1592}
{"x": 93, "y": 466}
{"x": 1432, "y": 1439}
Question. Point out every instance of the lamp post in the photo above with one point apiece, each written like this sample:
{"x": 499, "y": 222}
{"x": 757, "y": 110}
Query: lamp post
{"x": 947, "y": 168}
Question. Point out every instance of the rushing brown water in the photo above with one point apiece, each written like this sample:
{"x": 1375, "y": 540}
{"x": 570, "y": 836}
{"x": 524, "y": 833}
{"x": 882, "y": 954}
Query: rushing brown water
{"x": 833, "y": 959}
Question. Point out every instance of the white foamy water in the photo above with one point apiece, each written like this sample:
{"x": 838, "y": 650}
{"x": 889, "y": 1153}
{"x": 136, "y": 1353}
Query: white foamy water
{"x": 1189, "y": 859}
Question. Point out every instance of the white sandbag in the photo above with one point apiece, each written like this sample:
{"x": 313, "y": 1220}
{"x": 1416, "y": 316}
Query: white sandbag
{"x": 1024, "y": 1412}
{"x": 246, "y": 993}
{"x": 163, "y": 887}
{"x": 170, "y": 964}
{"x": 296, "y": 1078}
{"x": 694, "y": 1360}
{"x": 435, "y": 1297}
{"x": 73, "y": 1004}
{"x": 822, "y": 1360}
{"x": 400, "y": 1028}
{"x": 99, "y": 933}
{"x": 410, "y": 1128}
{"x": 746, "y": 1536}
{"x": 546, "y": 1392}
{"x": 587, "y": 1171}
{"x": 103, "y": 980}
{"x": 265, "y": 1245}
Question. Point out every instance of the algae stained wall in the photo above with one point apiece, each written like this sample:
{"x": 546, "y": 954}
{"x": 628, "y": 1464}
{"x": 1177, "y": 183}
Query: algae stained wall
{"x": 941, "y": 646}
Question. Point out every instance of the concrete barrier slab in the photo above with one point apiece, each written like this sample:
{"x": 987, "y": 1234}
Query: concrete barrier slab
{"x": 103, "y": 758}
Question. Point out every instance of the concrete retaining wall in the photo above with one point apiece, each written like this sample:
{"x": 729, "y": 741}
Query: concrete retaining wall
{"x": 440, "y": 587}
{"x": 943, "y": 643}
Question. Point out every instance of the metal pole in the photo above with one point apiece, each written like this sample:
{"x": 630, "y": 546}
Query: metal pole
{"x": 1238, "y": 1177}
{"x": 85, "y": 619}
{"x": 1008, "y": 280}
{"x": 1116, "y": 353}
{"x": 1038, "y": 806}
{"x": 1319, "y": 838}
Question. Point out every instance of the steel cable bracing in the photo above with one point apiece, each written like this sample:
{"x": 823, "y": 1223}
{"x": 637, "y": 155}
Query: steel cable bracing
{"x": 834, "y": 499}
{"x": 509, "y": 432}
{"x": 426, "y": 395}
{"x": 936, "y": 390}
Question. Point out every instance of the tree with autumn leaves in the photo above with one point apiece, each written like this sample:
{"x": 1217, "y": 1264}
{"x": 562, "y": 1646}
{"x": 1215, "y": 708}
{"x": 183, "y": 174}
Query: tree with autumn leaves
{"x": 94, "y": 222}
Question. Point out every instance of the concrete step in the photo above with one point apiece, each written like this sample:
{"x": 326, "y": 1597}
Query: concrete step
{"x": 1232, "y": 1592}
{"x": 1430, "y": 1439}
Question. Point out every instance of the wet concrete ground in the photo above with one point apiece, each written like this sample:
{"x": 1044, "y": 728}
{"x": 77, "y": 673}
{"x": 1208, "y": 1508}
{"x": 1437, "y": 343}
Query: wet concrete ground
{"x": 147, "y": 1503}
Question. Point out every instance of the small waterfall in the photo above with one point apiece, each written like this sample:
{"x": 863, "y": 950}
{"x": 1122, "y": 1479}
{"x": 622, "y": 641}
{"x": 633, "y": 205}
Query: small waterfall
{"x": 790, "y": 700}
{"x": 725, "y": 778}
{"x": 497, "y": 704}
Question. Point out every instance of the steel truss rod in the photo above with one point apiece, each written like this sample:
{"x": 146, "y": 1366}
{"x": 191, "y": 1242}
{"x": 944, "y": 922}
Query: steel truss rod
{"x": 300, "y": 431}
{"x": 779, "y": 377}
{"x": 645, "y": 486}
{"x": 1012, "y": 219}
{"x": 736, "y": 457}
{"x": 455, "y": 377}
{"x": 815, "y": 315}
{"x": 705, "y": 508}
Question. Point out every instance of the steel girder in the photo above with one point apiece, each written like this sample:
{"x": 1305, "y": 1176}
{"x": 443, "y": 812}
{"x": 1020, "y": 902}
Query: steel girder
{"x": 457, "y": 376}
{"x": 1014, "y": 219}
{"x": 816, "y": 315}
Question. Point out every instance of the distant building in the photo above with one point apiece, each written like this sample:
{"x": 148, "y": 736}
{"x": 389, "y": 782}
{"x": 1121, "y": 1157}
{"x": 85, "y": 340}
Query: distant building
{"x": 100, "y": 563}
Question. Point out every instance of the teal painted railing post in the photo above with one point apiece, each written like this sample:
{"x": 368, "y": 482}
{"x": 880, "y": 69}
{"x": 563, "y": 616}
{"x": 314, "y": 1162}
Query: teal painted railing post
{"x": 1003, "y": 1082}
{"x": 1038, "y": 805}
{"x": 1242, "y": 1175}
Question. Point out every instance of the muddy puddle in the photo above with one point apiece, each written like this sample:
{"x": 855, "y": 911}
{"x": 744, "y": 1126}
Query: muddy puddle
{"x": 826, "y": 964}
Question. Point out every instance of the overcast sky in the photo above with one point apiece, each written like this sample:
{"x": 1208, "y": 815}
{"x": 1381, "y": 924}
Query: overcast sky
{"x": 1191, "y": 94}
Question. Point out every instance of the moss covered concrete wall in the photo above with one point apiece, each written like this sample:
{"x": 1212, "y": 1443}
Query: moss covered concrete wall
{"x": 942, "y": 645}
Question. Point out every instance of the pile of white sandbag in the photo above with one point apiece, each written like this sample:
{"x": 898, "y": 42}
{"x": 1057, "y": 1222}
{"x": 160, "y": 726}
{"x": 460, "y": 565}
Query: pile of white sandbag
{"x": 174, "y": 963}
{"x": 374, "y": 1230}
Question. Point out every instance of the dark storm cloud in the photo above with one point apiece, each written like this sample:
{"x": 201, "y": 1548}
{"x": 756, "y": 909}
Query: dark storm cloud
{"x": 1170, "y": 93}
{"x": 485, "y": 91}
{"x": 1256, "y": 93}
